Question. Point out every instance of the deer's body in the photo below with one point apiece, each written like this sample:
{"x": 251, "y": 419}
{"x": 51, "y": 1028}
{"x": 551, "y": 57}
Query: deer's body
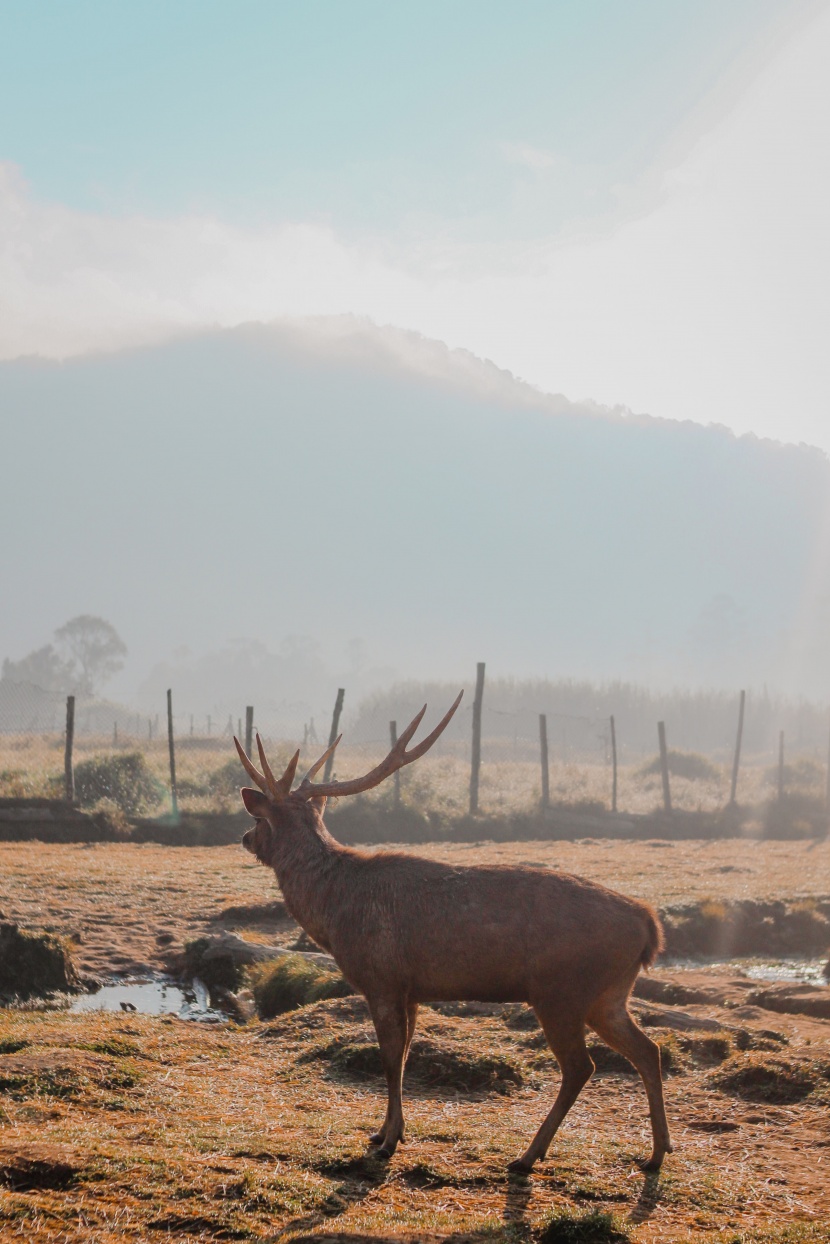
{"x": 406, "y": 930}
{"x": 482, "y": 933}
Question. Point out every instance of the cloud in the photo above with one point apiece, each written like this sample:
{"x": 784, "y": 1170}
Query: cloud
{"x": 711, "y": 305}
{"x": 72, "y": 281}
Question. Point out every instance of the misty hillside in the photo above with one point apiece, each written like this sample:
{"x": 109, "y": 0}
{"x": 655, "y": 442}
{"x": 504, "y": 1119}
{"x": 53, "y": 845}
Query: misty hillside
{"x": 348, "y": 484}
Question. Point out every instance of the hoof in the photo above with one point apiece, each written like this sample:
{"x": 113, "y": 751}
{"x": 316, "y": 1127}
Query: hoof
{"x": 385, "y": 1152}
{"x": 652, "y": 1165}
{"x": 520, "y": 1167}
{"x": 376, "y": 1138}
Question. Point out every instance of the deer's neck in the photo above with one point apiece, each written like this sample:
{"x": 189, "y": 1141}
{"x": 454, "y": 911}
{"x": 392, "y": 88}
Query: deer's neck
{"x": 305, "y": 861}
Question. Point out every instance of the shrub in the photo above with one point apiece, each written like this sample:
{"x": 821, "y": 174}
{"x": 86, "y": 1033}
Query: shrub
{"x": 804, "y": 774}
{"x": 795, "y": 815}
{"x": 690, "y": 765}
{"x": 293, "y": 981}
{"x": 230, "y": 776}
{"x": 124, "y": 780}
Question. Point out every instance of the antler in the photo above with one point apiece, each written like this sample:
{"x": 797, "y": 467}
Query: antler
{"x": 397, "y": 758}
{"x": 276, "y": 788}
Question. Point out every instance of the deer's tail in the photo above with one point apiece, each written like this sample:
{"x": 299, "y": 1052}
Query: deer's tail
{"x": 656, "y": 941}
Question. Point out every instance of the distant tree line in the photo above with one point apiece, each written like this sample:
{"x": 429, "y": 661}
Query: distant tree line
{"x": 87, "y": 651}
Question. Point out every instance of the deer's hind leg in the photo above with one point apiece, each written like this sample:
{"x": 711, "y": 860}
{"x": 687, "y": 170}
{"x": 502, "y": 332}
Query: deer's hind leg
{"x": 566, "y": 1037}
{"x": 394, "y": 1022}
{"x": 610, "y": 1019}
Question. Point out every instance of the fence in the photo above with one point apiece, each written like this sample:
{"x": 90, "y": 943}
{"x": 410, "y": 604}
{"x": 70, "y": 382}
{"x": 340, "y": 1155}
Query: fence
{"x": 493, "y": 758}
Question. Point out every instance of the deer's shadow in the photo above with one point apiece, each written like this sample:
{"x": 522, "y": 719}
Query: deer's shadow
{"x": 648, "y": 1199}
{"x": 361, "y": 1176}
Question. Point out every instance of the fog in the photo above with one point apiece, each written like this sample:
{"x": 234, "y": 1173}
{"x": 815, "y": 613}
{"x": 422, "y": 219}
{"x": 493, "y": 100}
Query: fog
{"x": 267, "y": 513}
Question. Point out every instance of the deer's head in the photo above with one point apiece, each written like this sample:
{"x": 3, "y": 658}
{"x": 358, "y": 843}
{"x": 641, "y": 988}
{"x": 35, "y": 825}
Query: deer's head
{"x": 274, "y": 802}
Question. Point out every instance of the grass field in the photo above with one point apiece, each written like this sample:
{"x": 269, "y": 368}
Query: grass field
{"x": 118, "y": 1127}
{"x": 127, "y": 902}
{"x": 146, "y": 1128}
{"x": 208, "y": 776}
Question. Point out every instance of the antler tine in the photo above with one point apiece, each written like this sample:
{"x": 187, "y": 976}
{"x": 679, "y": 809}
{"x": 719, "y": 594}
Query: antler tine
{"x": 317, "y": 766}
{"x": 287, "y": 778}
{"x": 274, "y": 787}
{"x": 406, "y": 735}
{"x": 396, "y": 759}
{"x": 251, "y": 769}
{"x": 427, "y": 743}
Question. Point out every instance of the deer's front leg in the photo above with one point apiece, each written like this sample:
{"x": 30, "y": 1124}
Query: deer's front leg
{"x": 392, "y": 1026}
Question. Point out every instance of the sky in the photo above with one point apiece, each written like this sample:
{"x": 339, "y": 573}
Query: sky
{"x": 619, "y": 201}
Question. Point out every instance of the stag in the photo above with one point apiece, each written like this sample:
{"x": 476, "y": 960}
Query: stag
{"x": 405, "y": 930}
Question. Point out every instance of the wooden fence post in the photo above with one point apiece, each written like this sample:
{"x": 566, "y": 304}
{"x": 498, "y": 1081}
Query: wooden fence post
{"x": 613, "y": 765}
{"x": 249, "y": 729}
{"x": 68, "y": 770}
{"x": 393, "y": 738}
{"x": 781, "y": 765}
{"x": 543, "y": 747}
{"x": 475, "y": 765}
{"x": 664, "y": 765}
{"x": 736, "y": 763}
{"x": 335, "y": 725}
{"x": 172, "y": 750}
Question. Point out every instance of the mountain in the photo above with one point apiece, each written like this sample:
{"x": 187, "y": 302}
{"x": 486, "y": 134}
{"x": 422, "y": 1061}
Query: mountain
{"x": 401, "y": 505}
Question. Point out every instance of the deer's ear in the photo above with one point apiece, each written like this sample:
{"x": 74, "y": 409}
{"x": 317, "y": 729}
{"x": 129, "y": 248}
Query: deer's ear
{"x": 255, "y": 802}
{"x": 319, "y": 802}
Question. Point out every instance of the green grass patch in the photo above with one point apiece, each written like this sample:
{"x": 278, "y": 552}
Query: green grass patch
{"x": 293, "y": 981}
{"x": 594, "y": 1227}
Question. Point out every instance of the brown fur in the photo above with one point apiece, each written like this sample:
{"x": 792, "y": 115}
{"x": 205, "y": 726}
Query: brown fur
{"x": 406, "y": 930}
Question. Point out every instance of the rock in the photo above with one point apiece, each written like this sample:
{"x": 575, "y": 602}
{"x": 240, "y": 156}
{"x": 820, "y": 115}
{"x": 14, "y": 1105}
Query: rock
{"x": 240, "y": 1006}
{"x": 220, "y": 961}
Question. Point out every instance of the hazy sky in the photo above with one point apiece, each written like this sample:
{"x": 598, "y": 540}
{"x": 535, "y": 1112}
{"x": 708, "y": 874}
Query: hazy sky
{"x": 624, "y": 200}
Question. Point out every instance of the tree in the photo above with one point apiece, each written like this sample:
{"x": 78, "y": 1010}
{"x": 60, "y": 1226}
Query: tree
{"x": 93, "y": 649}
{"x": 44, "y": 668}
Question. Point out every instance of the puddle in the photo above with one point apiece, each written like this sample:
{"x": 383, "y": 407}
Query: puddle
{"x": 151, "y": 997}
{"x": 809, "y": 971}
{"x": 805, "y": 971}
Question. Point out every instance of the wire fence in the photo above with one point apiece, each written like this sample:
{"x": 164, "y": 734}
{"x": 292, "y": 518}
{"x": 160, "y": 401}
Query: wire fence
{"x": 530, "y": 757}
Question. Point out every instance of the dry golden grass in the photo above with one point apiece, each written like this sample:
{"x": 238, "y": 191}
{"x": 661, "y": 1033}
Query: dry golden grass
{"x": 151, "y": 1128}
{"x": 118, "y": 1127}
{"x": 32, "y": 765}
{"x": 128, "y": 903}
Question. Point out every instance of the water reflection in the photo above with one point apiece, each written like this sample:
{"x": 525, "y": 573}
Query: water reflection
{"x": 151, "y": 997}
{"x": 805, "y": 971}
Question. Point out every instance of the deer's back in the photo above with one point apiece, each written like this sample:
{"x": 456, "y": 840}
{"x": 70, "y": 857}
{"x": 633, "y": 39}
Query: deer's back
{"x": 491, "y": 933}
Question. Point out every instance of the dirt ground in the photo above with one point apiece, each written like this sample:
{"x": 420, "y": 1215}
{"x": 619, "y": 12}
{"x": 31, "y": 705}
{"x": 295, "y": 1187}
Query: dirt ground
{"x": 116, "y": 1127}
{"x": 128, "y": 904}
{"x": 143, "y": 1128}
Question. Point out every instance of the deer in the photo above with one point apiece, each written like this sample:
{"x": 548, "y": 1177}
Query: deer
{"x": 405, "y": 931}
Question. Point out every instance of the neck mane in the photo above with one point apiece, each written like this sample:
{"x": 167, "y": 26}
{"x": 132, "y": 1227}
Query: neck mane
{"x": 305, "y": 859}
